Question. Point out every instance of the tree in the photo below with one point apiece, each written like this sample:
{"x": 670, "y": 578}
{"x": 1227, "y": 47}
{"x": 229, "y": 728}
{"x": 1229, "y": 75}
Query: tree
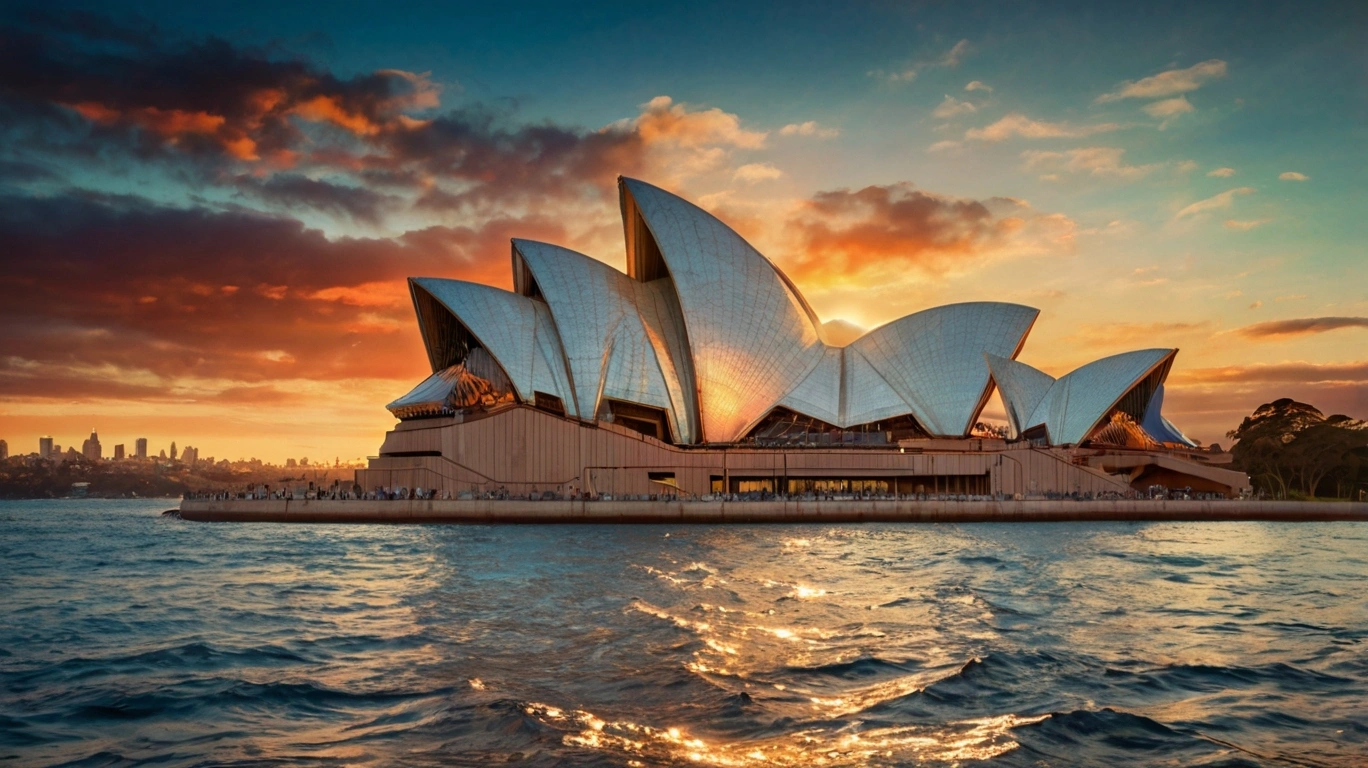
{"x": 1288, "y": 446}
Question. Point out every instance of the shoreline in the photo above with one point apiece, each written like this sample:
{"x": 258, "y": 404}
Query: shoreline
{"x": 486, "y": 512}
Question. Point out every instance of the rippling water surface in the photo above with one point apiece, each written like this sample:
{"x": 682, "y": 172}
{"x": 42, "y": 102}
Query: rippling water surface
{"x": 127, "y": 638}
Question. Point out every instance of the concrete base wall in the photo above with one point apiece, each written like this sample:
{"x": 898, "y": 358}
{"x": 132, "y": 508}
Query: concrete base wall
{"x": 523, "y": 450}
{"x": 513, "y": 511}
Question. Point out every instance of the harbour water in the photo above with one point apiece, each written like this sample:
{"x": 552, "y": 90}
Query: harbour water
{"x": 127, "y": 638}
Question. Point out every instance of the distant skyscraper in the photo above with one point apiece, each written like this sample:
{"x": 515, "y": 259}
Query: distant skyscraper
{"x": 173, "y": 450}
{"x": 45, "y": 448}
{"x": 119, "y": 452}
{"x": 91, "y": 448}
{"x": 140, "y": 448}
{"x": 4, "y": 450}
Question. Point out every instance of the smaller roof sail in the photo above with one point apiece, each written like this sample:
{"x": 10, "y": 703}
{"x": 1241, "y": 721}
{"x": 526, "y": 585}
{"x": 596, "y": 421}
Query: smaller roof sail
{"x": 1079, "y": 401}
{"x": 1160, "y": 428}
{"x": 516, "y": 331}
{"x": 605, "y": 321}
{"x": 477, "y": 382}
{"x": 933, "y": 359}
{"x": 1022, "y": 388}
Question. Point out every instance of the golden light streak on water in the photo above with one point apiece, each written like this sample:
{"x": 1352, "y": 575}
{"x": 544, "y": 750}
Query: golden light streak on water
{"x": 974, "y": 739}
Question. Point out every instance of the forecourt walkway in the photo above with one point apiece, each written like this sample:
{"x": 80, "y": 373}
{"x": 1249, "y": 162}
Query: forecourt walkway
{"x": 850, "y": 511}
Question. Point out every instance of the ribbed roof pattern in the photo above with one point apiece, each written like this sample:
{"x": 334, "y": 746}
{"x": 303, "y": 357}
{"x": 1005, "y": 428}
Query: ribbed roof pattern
{"x": 709, "y": 331}
{"x": 516, "y": 331}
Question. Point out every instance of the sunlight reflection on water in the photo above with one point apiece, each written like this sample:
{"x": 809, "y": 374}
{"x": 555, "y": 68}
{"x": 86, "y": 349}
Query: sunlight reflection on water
{"x": 128, "y": 638}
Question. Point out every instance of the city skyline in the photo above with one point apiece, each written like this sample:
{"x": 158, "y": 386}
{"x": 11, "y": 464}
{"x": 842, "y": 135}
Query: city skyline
{"x": 214, "y": 211}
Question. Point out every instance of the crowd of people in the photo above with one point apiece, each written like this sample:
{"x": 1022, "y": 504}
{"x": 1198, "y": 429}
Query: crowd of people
{"x": 344, "y": 493}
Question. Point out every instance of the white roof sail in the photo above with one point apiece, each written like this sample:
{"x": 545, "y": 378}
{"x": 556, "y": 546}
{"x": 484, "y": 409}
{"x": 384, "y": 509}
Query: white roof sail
{"x": 1080, "y": 399}
{"x": 704, "y": 327}
{"x": 752, "y": 337}
{"x": 517, "y": 331}
{"x": 1022, "y": 388}
{"x": 1160, "y": 428}
{"x": 598, "y": 313}
{"x": 934, "y": 359}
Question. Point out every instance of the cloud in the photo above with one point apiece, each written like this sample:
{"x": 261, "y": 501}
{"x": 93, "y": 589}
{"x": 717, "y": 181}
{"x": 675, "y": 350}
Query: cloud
{"x": 1168, "y": 110}
{"x": 1096, "y": 161}
{"x": 753, "y": 172}
{"x": 75, "y": 272}
{"x": 1293, "y": 176}
{"x": 294, "y": 191}
{"x": 1299, "y": 372}
{"x": 879, "y": 233}
{"x": 942, "y": 146}
{"x": 1215, "y": 202}
{"x": 1221, "y": 173}
{"x": 1168, "y": 83}
{"x": 978, "y": 85}
{"x": 663, "y": 120}
{"x": 1301, "y": 326}
{"x": 285, "y": 132}
{"x": 955, "y": 55}
{"x": 1245, "y": 226}
{"x": 949, "y": 59}
{"x": 953, "y": 107}
{"x": 1017, "y": 124}
{"x": 1169, "y": 107}
{"x": 809, "y": 128}
{"x": 1113, "y": 335}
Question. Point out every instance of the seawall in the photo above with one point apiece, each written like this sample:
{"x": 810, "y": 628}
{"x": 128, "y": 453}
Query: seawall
{"x": 517, "y": 511}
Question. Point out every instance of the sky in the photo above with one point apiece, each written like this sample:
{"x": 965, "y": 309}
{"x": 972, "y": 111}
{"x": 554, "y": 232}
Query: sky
{"x": 208, "y": 211}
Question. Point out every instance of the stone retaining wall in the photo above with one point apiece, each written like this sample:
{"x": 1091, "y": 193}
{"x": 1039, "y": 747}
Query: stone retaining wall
{"x": 486, "y": 511}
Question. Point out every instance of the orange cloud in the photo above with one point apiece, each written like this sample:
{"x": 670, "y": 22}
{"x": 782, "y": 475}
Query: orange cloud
{"x": 327, "y": 109}
{"x": 662, "y": 120}
{"x": 880, "y": 232}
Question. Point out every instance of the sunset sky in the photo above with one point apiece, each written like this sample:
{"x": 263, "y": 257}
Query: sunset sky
{"x": 209, "y": 210}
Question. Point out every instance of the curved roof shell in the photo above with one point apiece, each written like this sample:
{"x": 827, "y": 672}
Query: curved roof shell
{"x": 1078, "y": 401}
{"x": 708, "y": 330}
{"x": 934, "y": 359}
{"x": 1160, "y": 428}
{"x": 751, "y": 335}
{"x": 601, "y": 316}
{"x": 518, "y": 333}
{"x": 1022, "y": 388}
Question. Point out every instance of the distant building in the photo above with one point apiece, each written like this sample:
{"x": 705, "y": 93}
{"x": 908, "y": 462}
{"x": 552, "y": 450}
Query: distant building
{"x": 140, "y": 448}
{"x": 91, "y": 448}
{"x": 56, "y": 451}
{"x": 119, "y": 452}
{"x": 173, "y": 450}
{"x": 45, "y": 447}
{"x": 4, "y": 450}
{"x": 163, "y": 454}
{"x": 291, "y": 464}
{"x": 190, "y": 455}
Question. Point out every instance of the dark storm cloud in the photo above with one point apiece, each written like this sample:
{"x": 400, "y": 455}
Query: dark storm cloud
{"x": 95, "y": 282}
{"x": 294, "y": 191}
{"x": 76, "y": 87}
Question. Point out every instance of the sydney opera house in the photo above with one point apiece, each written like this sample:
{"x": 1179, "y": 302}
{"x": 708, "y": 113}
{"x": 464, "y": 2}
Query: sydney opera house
{"x": 703, "y": 370}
